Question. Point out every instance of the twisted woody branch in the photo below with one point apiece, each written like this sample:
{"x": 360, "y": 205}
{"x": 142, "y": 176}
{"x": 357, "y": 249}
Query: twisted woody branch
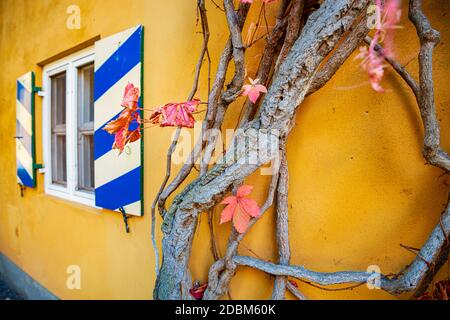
{"x": 323, "y": 31}
{"x": 298, "y": 62}
{"x": 435, "y": 252}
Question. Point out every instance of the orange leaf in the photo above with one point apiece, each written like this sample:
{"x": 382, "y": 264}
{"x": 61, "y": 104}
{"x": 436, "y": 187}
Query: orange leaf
{"x": 241, "y": 220}
{"x": 244, "y": 191}
{"x": 240, "y": 209}
{"x": 127, "y": 127}
{"x": 228, "y": 212}
{"x": 250, "y": 207}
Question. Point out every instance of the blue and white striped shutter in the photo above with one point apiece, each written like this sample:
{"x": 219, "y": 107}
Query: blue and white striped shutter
{"x": 25, "y": 130}
{"x": 118, "y": 179}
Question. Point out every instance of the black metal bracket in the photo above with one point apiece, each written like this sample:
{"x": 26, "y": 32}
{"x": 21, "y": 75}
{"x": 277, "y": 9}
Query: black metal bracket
{"x": 38, "y": 166}
{"x": 22, "y": 189}
{"x": 125, "y": 219}
{"x": 37, "y": 89}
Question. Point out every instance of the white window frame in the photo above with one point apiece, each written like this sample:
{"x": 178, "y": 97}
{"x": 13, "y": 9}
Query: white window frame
{"x": 70, "y": 65}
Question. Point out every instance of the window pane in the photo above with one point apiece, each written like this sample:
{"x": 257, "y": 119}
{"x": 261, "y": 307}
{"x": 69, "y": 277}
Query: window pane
{"x": 86, "y": 128}
{"x": 86, "y": 165}
{"x": 59, "y": 99}
{"x": 86, "y": 94}
{"x": 59, "y": 160}
{"x": 58, "y": 111}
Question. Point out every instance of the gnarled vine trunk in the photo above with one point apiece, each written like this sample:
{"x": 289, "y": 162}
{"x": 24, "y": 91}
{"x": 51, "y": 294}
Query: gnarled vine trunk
{"x": 321, "y": 34}
{"x": 301, "y": 58}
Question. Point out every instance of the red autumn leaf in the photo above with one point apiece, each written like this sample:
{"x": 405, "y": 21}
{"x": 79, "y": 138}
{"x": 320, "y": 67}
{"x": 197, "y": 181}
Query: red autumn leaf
{"x": 251, "y": 1}
{"x": 373, "y": 61}
{"x": 129, "y": 117}
{"x": 240, "y": 209}
{"x": 295, "y": 284}
{"x": 441, "y": 291}
{"x": 198, "y": 291}
{"x": 119, "y": 139}
{"x": 175, "y": 114}
{"x": 253, "y": 90}
{"x": 391, "y": 14}
{"x": 131, "y": 96}
{"x": 115, "y": 126}
{"x": 133, "y": 136}
{"x": 425, "y": 296}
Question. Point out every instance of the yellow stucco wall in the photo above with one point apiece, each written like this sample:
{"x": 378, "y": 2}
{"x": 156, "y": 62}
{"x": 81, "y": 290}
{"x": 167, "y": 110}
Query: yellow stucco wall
{"x": 358, "y": 185}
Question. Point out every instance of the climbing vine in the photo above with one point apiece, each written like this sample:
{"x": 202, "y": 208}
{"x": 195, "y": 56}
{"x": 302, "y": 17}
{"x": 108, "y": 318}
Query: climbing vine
{"x": 308, "y": 43}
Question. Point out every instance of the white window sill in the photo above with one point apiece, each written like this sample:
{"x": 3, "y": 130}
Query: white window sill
{"x": 78, "y": 196}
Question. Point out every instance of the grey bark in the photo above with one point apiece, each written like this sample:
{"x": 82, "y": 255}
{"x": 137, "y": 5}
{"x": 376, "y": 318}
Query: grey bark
{"x": 354, "y": 38}
{"x": 321, "y": 34}
{"x": 284, "y": 252}
{"x": 417, "y": 276}
{"x": 223, "y": 270}
{"x": 266, "y": 63}
{"x": 429, "y": 38}
{"x": 214, "y": 106}
{"x": 409, "y": 280}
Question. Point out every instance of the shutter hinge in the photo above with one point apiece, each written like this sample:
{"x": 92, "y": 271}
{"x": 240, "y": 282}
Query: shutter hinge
{"x": 39, "y": 91}
{"x": 38, "y": 166}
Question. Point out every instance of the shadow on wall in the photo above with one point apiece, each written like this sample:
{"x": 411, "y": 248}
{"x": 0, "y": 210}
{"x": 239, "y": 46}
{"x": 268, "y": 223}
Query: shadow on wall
{"x": 15, "y": 284}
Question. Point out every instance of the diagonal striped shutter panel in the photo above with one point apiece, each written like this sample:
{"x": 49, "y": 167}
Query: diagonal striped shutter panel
{"x": 118, "y": 179}
{"x": 25, "y": 130}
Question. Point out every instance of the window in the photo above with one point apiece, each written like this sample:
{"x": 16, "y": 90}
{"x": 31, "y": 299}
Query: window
{"x": 68, "y": 127}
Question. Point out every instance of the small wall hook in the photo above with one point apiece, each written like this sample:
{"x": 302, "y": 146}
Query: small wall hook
{"x": 125, "y": 219}
{"x": 22, "y": 189}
